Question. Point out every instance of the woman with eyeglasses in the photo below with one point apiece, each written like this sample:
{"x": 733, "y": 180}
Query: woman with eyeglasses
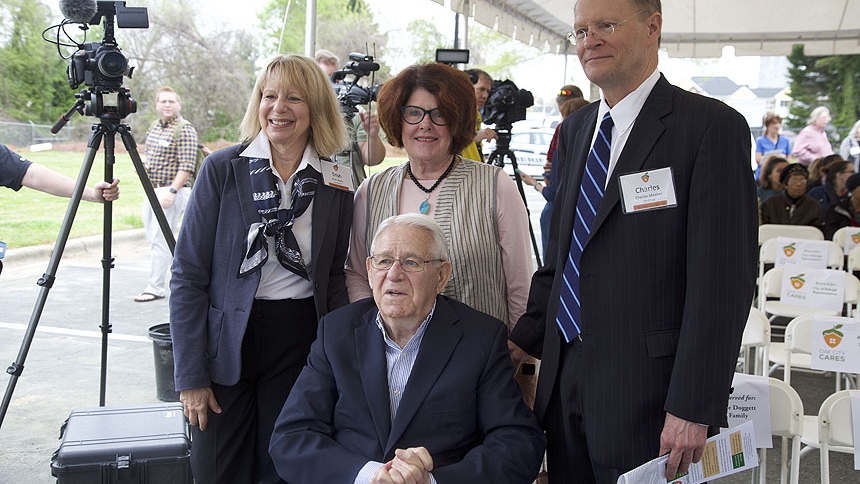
{"x": 793, "y": 206}
{"x": 429, "y": 110}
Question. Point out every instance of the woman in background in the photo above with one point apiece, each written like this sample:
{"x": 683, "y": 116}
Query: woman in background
{"x": 769, "y": 181}
{"x": 849, "y": 149}
{"x": 770, "y": 142}
{"x": 812, "y": 142}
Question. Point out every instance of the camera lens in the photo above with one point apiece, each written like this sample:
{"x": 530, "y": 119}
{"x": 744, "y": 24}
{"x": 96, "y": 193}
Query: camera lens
{"x": 112, "y": 64}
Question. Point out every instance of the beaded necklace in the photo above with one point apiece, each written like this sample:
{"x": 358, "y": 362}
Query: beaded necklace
{"x": 424, "y": 207}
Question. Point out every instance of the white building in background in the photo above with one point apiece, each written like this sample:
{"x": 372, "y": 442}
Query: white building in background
{"x": 753, "y": 104}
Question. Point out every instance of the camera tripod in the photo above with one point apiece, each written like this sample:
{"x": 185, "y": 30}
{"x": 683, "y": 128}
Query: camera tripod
{"x": 497, "y": 158}
{"x": 106, "y": 130}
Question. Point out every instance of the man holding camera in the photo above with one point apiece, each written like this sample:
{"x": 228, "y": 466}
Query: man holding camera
{"x": 483, "y": 84}
{"x": 365, "y": 143}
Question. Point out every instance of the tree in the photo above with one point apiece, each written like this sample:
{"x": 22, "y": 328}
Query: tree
{"x": 213, "y": 73}
{"x": 33, "y": 84}
{"x": 343, "y": 27}
{"x": 831, "y": 81}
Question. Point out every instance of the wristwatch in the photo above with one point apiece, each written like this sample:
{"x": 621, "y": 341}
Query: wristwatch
{"x": 538, "y": 186}
{"x": 172, "y": 190}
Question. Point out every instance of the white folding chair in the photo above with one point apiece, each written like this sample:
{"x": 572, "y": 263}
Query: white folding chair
{"x": 831, "y": 430}
{"x": 835, "y": 430}
{"x": 770, "y": 231}
{"x": 786, "y": 421}
{"x": 771, "y": 287}
{"x": 756, "y": 336}
{"x": 796, "y": 351}
{"x": 853, "y": 260}
{"x": 767, "y": 255}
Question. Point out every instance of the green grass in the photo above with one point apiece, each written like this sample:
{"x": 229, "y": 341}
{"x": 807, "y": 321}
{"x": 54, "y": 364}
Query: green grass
{"x": 29, "y": 217}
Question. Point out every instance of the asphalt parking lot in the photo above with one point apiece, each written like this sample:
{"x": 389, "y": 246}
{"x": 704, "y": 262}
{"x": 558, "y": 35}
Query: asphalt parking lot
{"x": 62, "y": 368}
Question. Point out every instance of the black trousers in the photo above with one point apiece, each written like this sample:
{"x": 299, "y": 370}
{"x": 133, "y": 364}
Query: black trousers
{"x": 234, "y": 449}
{"x": 568, "y": 460}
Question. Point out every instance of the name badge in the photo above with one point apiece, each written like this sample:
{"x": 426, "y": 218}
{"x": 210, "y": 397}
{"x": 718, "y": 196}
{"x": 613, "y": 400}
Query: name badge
{"x": 164, "y": 143}
{"x": 647, "y": 190}
{"x": 337, "y": 176}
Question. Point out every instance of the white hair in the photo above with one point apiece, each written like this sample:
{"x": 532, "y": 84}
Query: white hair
{"x": 817, "y": 113}
{"x": 439, "y": 249}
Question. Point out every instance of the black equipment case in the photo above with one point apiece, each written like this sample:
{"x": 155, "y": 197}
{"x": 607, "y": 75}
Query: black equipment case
{"x": 146, "y": 444}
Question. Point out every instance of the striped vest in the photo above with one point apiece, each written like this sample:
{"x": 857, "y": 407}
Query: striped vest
{"x": 466, "y": 211}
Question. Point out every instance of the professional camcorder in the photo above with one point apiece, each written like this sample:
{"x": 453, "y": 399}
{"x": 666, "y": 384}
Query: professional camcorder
{"x": 349, "y": 93}
{"x": 100, "y": 66}
{"x": 506, "y": 104}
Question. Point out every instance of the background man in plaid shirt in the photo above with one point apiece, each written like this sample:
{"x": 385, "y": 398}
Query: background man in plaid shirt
{"x": 169, "y": 161}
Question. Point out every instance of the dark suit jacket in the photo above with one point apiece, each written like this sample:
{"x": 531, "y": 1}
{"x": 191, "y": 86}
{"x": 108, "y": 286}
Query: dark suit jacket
{"x": 665, "y": 293}
{"x": 461, "y": 403}
{"x": 209, "y": 303}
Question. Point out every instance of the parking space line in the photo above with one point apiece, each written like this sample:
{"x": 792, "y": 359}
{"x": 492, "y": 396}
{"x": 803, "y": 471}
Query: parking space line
{"x": 75, "y": 332}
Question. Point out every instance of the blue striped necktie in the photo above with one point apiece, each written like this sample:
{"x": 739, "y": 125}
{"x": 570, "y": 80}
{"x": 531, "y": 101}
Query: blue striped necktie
{"x": 569, "y": 317}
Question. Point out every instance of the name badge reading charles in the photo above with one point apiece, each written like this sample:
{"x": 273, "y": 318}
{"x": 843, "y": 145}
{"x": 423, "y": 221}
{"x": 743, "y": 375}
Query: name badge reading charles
{"x": 647, "y": 190}
{"x": 336, "y": 175}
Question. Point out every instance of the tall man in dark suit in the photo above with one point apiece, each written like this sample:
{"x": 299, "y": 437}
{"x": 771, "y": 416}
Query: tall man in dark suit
{"x": 639, "y": 311}
{"x": 408, "y": 386}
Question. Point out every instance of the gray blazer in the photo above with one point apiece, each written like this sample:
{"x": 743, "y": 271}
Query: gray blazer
{"x": 209, "y": 304}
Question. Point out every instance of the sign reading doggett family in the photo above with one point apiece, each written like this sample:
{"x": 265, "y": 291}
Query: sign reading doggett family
{"x": 836, "y": 344}
{"x": 813, "y": 288}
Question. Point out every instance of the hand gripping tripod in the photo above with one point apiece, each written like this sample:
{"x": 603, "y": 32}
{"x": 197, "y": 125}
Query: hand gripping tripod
{"x": 110, "y": 124}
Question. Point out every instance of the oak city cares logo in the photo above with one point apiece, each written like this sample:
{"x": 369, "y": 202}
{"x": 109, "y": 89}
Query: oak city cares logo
{"x": 855, "y": 237}
{"x": 789, "y": 249}
{"x": 832, "y": 336}
{"x": 797, "y": 281}
{"x": 645, "y": 177}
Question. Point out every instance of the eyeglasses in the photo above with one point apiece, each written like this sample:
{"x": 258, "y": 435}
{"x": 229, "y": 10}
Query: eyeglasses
{"x": 414, "y": 115}
{"x": 601, "y": 29}
{"x": 409, "y": 264}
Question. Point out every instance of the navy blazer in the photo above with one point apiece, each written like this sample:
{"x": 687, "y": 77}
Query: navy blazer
{"x": 209, "y": 303}
{"x": 665, "y": 293}
{"x": 461, "y": 403}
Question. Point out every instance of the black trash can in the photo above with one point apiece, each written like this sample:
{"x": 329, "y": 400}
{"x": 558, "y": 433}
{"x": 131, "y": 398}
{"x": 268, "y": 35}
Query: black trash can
{"x": 162, "y": 347}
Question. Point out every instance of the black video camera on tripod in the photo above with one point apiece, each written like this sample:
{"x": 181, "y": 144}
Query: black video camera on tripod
{"x": 349, "y": 93}
{"x": 101, "y": 66}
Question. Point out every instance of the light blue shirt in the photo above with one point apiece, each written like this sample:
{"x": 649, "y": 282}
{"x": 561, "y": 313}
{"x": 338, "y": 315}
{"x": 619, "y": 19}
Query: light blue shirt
{"x": 399, "y": 362}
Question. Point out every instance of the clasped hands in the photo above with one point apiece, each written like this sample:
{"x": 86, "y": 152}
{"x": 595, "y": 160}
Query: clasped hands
{"x": 409, "y": 466}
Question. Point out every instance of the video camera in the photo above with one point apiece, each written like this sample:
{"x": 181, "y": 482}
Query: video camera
{"x": 506, "y": 104}
{"x": 349, "y": 93}
{"x": 101, "y": 66}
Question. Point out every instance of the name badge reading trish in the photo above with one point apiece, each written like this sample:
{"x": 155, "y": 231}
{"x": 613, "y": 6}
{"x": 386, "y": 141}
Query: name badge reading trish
{"x": 336, "y": 175}
{"x": 647, "y": 190}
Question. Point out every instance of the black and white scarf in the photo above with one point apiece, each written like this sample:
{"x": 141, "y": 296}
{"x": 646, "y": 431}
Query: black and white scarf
{"x": 277, "y": 223}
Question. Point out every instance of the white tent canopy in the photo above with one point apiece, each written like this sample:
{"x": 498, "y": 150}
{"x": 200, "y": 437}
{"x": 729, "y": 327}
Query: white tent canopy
{"x": 694, "y": 28}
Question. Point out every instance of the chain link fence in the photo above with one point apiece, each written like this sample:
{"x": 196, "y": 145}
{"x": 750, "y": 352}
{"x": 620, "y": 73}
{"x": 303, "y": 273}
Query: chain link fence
{"x": 26, "y": 134}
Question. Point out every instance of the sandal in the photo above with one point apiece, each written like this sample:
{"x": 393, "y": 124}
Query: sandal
{"x": 146, "y": 297}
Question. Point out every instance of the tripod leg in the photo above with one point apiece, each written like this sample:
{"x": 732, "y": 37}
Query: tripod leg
{"x": 519, "y": 181}
{"x": 131, "y": 147}
{"x": 47, "y": 279}
{"x": 107, "y": 264}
